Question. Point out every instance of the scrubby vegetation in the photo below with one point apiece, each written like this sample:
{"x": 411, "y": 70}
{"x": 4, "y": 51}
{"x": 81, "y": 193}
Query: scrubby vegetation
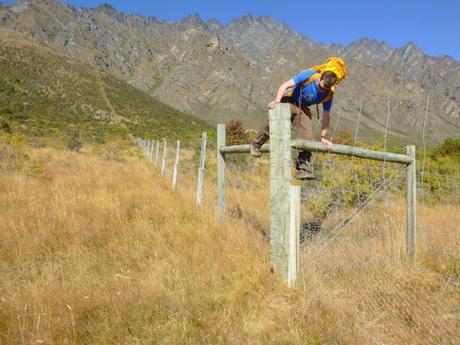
{"x": 47, "y": 97}
{"x": 437, "y": 169}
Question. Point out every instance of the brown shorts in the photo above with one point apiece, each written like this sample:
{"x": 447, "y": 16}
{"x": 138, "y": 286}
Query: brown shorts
{"x": 301, "y": 123}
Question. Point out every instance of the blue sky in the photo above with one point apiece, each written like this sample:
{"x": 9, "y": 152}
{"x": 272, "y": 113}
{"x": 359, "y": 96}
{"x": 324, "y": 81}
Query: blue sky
{"x": 433, "y": 25}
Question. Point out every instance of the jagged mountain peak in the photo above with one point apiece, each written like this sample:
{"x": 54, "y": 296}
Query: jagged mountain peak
{"x": 410, "y": 47}
{"x": 411, "y": 50}
{"x": 192, "y": 18}
{"x": 365, "y": 49}
{"x": 213, "y": 25}
{"x": 410, "y": 57}
{"x": 263, "y": 29}
{"x": 261, "y": 21}
{"x": 106, "y": 7}
{"x": 368, "y": 42}
{"x": 244, "y": 19}
{"x": 205, "y": 67}
{"x": 193, "y": 21}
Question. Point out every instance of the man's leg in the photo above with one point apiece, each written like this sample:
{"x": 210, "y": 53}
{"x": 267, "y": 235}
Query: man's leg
{"x": 302, "y": 124}
{"x": 264, "y": 132}
{"x": 260, "y": 139}
{"x": 262, "y": 135}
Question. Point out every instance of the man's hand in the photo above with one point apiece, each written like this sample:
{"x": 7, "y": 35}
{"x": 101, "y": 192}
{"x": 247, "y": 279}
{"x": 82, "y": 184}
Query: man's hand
{"x": 281, "y": 91}
{"x": 273, "y": 104}
{"x": 326, "y": 142}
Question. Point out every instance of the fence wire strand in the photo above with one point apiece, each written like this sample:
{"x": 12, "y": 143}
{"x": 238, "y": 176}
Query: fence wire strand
{"x": 365, "y": 245}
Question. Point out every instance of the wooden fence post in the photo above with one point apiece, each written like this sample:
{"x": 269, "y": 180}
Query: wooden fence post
{"x": 220, "y": 172}
{"x": 176, "y": 165}
{"x": 199, "y": 190}
{"x": 280, "y": 186}
{"x": 294, "y": 236}
{"x": 149, "y": 148}
{"x": 157, "y": 153}
{"x": 411, "y": 203}
{"x": 165, "y": 152}
{"x": 151, "y": 151}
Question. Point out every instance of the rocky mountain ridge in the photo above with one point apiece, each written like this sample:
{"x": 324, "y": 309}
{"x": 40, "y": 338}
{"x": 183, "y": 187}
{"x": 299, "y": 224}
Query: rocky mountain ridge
{"x": 218, "y": 72}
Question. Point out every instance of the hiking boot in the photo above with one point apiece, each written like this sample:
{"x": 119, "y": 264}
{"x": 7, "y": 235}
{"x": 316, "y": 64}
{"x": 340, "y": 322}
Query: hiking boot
{"x": 305, "y": 175}
{"x": 255, "y": 152}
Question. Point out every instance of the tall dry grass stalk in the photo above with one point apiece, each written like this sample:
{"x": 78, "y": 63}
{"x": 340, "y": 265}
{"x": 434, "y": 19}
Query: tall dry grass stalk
{"x": 96, "y": 251}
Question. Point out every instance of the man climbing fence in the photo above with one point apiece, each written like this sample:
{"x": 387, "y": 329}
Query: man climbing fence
{"x": 312, "y": 86}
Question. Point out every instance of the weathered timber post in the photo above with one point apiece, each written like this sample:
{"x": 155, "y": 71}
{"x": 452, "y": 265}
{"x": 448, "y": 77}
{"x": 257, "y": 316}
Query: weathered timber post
{"x": 294, "y": 236}
{"x": 411, "y": 203}
{"x": 165, "y": 152}
{"x": 199, "y": 189}
{"x": 280, "y": 186}
{"x": 176, "y": 165}
{"x": 220, "y": 172}
{"x": 151, "y": 151}
{"x": 157, "y": 153}
{"x": 149, "y": 148}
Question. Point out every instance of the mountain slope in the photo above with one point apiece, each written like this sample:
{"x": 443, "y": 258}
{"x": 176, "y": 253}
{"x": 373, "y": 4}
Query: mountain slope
{"x": 220, "y": 72}
{"x": 44, "y": 93}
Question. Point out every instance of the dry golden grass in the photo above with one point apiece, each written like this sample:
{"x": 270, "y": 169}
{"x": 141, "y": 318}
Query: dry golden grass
{"x": 362, "y": 276}
{"x": 96, "y": 251}
{"x": 387, "y": 298}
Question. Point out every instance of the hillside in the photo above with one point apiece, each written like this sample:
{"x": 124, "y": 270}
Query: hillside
{"x": 219, "y": 72}
{"x": 44, "y": 93}
{"x": 97, "y": 251}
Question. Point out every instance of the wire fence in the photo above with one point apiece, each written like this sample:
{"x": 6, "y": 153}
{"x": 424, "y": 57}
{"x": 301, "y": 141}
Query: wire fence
{"x": 353, "y": 237}
{"x": 353, "y": 245}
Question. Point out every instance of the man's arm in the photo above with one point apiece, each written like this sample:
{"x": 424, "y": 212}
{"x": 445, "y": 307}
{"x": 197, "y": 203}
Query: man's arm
{"x": 282, "y": 89}
{"x": 325, "y": 129}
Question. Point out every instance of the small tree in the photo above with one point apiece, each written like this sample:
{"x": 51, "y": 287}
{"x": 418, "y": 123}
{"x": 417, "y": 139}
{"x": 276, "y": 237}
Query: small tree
{"x": 74, "y": 143}
{"x": 236, "y": 133}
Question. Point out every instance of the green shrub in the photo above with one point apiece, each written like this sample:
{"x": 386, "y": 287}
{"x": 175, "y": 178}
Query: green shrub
{"x": 12, "y": 152}
{"x": 236, "y": 135}
{"x": 74, "y": 143}
{"x": 450, "y": 147}
{"x": 5, "y": 127}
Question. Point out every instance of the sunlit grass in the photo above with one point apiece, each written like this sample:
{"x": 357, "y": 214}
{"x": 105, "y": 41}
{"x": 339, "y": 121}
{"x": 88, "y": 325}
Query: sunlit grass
{"x": 102, "y": 251}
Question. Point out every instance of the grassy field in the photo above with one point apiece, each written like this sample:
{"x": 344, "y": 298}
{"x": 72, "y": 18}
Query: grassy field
{"x": 96, "y": 248}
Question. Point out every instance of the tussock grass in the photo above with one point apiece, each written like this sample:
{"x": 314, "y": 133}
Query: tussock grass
{"x": 97, "y": 251}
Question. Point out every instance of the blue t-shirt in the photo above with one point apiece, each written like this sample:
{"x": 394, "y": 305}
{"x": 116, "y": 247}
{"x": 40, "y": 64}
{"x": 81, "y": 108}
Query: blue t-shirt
{"x": 310, "y": 92}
